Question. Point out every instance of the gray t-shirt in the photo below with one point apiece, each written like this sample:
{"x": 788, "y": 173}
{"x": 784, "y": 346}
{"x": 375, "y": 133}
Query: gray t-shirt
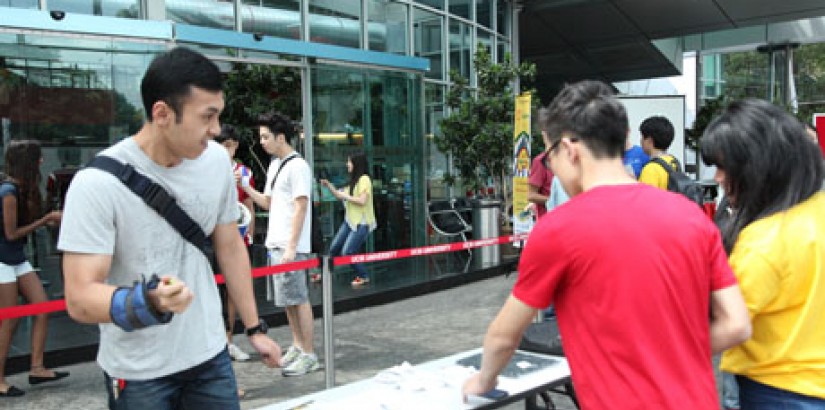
{"x": 102, "y": 216}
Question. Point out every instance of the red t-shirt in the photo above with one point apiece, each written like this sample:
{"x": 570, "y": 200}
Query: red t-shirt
{"x": 540, "y": 177}
{"x": 242, "y": 195}
{"x": 630, "y": 270}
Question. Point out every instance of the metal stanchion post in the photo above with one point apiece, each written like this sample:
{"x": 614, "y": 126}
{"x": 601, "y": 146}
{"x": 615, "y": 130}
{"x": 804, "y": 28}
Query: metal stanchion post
{"x": 329, "y": 337}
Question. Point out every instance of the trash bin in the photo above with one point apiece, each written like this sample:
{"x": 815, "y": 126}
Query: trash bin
{"x": 486, "y": 225}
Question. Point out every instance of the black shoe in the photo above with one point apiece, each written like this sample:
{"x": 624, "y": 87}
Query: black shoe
{"x": 46, "y": 379}
{"x": 12, "y": 392}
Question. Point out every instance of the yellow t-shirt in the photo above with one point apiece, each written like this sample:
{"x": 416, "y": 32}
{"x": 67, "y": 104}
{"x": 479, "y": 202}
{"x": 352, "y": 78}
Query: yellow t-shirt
{"x": 361, "y": 214}
{"x": 653, "y": 173}
{"x": 780, "y": 263}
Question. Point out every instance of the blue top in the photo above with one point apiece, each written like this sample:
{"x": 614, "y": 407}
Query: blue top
{"x": 11, "y": 252}
{"x": 636, "y": 158}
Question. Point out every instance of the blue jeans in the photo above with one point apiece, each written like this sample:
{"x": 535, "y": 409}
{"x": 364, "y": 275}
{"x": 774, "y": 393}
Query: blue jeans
{"x": 208, "y": 386}
{"x": 349, "y": 242}
{"x": 757, "y": 396}
{"x": 730, "y": 391}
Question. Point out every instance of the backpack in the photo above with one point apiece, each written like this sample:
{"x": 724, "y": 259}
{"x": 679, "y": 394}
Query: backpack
{"x": 316, "y": 238}
{"x": 679, "y": 182}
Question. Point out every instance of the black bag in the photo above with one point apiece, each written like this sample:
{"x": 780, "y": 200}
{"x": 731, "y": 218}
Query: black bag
{"x": 316, "y": 237}
{"x": 542, "y": 337}
{"x": 679, "y": 182}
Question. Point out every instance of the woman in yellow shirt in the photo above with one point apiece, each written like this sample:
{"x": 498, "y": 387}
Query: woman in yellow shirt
{"x": 359, "y": 219}
{"x": 772, "y": 173}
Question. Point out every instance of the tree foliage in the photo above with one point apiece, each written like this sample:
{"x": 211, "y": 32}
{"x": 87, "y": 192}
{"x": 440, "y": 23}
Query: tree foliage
{"x": 478, "y": 133}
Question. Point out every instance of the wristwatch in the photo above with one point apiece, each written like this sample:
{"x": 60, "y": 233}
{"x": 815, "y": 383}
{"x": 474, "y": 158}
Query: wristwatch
{"x": 260, "y": 328}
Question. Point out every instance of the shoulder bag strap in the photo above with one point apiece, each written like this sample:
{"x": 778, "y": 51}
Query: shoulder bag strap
{"x": 156, "y": 197}
{"x": 664, "y": 165}
{"x": 280, "y": 167}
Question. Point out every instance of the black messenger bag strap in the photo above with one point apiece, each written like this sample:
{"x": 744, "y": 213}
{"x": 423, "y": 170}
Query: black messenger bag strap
{"x": 156, "y": 197}
{"x": 280, "y": 167}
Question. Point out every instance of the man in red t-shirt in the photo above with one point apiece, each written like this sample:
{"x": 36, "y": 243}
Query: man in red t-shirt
{"x": 641, "y": 284}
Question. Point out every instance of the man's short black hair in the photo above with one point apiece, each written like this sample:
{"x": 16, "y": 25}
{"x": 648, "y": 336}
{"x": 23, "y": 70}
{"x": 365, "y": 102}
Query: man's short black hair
{"x": 279, "y": 124}
{"x": 171, "y": 76}
{"x": 588, "y": 110}
{"x": 660, "y": 129}
{"x": 228, "y": 132}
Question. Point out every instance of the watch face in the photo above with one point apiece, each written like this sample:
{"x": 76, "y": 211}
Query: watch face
{"x": 263, "y": 327}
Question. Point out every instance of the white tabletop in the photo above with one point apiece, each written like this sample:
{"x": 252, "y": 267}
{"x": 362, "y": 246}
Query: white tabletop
{"x": 436, "y": 383}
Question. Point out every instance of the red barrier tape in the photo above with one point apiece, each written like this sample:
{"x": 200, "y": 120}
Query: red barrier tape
{"x": 426, "y": 250}
{"x": 32, "y": 309}
{"x": 275, "y": 269}
{"x": 60, "y": 305}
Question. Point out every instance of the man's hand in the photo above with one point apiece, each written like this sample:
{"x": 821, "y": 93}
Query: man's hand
{"x": 171, "y": 295}
{"x": 242, "y": 177}
{"x": 289, "y": 254}
{"x": 476, "y": 386}
{"x": 268, "y": 348}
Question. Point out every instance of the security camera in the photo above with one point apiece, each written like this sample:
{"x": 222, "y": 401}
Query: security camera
{"x": 258, "y": 36}
{"x": 57, "y": 14}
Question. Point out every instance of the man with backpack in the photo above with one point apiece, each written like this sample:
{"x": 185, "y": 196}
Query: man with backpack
{"x": 664, "y": 171}
{"x": 657, "y": 135}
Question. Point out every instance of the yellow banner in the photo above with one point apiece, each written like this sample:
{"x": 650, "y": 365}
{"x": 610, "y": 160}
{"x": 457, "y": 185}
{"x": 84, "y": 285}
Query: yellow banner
{"x": 521, "y": 164}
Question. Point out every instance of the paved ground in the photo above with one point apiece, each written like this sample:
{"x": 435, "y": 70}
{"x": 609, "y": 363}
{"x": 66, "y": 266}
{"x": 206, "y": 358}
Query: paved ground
{"x": 367, "y": 340}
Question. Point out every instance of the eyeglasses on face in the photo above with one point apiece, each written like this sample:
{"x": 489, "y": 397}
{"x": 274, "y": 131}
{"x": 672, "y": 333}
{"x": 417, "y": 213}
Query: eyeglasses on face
{"x": 556, "y": 143}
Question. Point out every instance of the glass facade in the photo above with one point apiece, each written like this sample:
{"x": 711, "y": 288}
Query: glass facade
{"x": 743, "y": 74}
{"x": 79, "y": 93}
{"x": 112, "y": 8}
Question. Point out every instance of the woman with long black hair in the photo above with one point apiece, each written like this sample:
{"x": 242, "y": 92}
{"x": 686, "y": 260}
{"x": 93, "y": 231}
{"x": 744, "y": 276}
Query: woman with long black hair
{"x": 21, "y": 214}
{"x": 772, "y": 173}
{"x": 359, "y": 219}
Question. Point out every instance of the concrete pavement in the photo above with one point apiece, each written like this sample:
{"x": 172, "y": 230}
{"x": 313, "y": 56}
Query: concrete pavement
{"x": 367, "y": 340}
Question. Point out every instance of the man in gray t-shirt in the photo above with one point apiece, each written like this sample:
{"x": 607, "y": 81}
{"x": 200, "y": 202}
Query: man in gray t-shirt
{"x": 162, "y": 342}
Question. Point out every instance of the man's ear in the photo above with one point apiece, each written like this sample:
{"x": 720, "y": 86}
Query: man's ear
{"x": 162, "y": 113}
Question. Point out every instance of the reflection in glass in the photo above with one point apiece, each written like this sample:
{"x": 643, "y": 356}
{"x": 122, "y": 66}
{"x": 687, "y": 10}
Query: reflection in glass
{"x": 279, "y": 18}
{"x": 461, "y": 8}
{"x": 428, "y": 31}
{"x": 503, "y": 48}
{"x": 485, "y": 38}
{"x": 335, "y": 22}
{"x": 460, "y": 47}
{"x": 387, "y": 26}
{"x": 111, "y": 8}
{"x": 437, "y": 161}
{"x": 438, "y": 4}
{"x": 484, "y": 13}
{"x": 503, "y": 19}
{"x": 206, "y": 13}
{"x": 374, "y": 112}
{"x": 20, "y": 4}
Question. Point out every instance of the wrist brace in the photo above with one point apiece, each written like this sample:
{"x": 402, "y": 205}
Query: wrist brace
{"x": 131, "y": 310}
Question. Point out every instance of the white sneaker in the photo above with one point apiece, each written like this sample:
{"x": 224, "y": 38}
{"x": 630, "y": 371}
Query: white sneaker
{"x": 290, "y": 356}
{"x": 237, "y": 354}
{"x": 305, "y": 363}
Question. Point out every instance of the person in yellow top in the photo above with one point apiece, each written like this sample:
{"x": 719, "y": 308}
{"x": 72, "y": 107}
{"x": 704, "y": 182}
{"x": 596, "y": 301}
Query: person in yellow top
{"x": 772, "y": 173}
{"x": 657, "y": 135}
{"x": 359, "y": 219}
